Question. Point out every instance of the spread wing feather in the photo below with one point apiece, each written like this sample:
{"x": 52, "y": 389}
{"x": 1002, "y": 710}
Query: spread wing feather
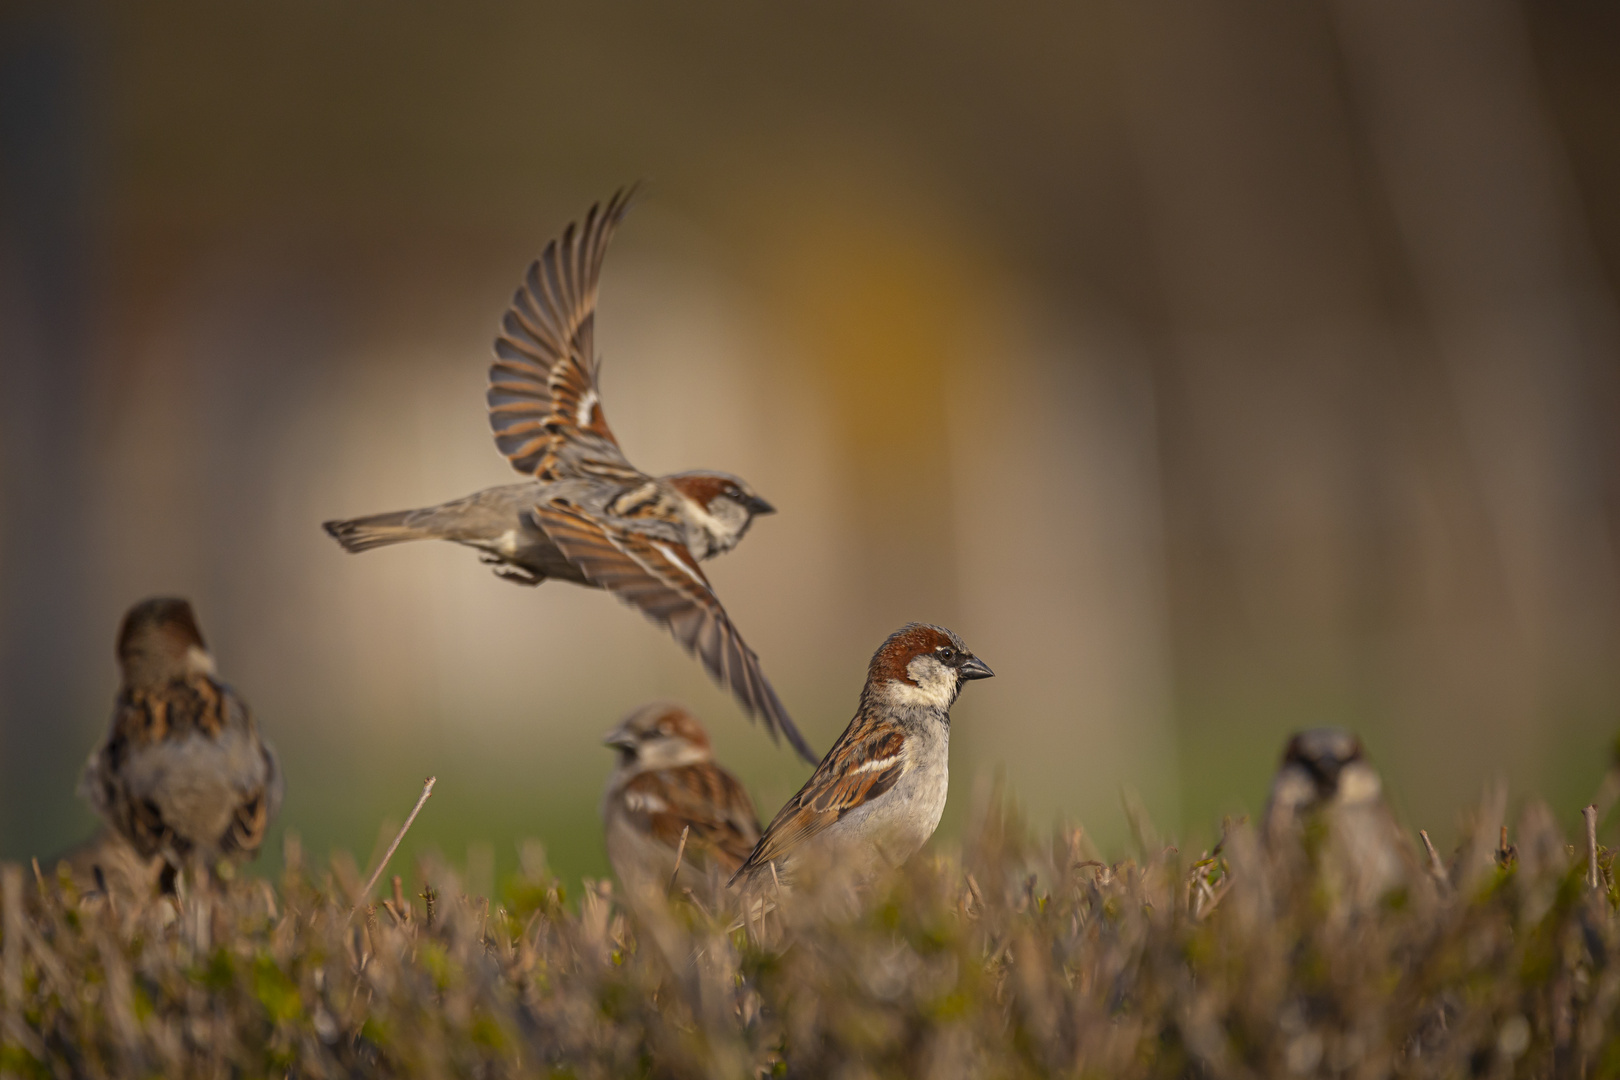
{"x": 662, "y": 580}
{"x": 543, "y": 383}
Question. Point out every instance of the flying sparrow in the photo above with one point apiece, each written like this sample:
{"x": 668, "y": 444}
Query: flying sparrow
{"x": 584, "y": 514}
{"x": 182, "y": 773}
{"x": 667, "y": 783}
{"x": 1325, "y": 777}
{"x": 878, "y": 794}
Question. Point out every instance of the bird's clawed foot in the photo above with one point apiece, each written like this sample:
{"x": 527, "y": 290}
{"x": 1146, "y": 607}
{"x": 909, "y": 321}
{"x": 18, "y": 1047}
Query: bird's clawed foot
{"x": 515, "y": 574}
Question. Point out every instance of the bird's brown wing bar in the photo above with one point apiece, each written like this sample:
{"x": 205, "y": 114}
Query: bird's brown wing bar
{"x": 866, "y": 761}
{"x": 703, "y": 798}
{"x": 542, "y": 386}
{"x": 251, "y": 818}
{"x": 663, "y": 581}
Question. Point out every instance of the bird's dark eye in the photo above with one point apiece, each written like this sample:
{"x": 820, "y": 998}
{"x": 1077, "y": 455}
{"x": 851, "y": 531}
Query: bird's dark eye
{"x": 946, "y": 653}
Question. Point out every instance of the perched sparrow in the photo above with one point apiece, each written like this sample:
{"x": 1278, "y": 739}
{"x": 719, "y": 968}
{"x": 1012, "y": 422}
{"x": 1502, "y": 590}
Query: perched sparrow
{"x": 585, "y": 514}
{"x": 183, "y": 773}
{"x": 667, "y": 782}
{"x": 878, "y": 794}
{"x": 1325, "y": 777}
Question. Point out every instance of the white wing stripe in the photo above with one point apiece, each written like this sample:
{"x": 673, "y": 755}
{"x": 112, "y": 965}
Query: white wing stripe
{"x": 645, "y": 802}
{"x": 587, "y": 401}
{"x": 664, "y": 550}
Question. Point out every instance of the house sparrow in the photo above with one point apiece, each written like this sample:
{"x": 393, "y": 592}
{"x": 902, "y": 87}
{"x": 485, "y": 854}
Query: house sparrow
{"x": 182, "y": 773}
{"x": 667, "y": 782}
{"x": 1325, "y": 777}
{"x": 585, "y": 514}
{"x": 878, "y": 794}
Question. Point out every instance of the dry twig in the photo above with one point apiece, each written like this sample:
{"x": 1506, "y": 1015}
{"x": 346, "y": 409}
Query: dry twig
{"x": 1436, "y": 867}
{"x": 680, "y": 852}
{"x": 1590, "y": 814}
{"x": 427, "y": 789}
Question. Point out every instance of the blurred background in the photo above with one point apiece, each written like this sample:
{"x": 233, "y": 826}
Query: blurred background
{"x": 1214, "y": 370}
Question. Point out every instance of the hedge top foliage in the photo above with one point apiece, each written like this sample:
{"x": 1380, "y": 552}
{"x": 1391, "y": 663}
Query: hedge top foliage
{"x": 1010, "y": 957}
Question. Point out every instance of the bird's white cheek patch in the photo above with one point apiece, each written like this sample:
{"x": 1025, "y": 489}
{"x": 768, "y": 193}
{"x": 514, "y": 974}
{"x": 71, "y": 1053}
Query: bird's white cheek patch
{"x": 1358, "y": 783}
{"x": 936, "y": 684}
{"x": 1293, "y": 788}
{"x": 721, "y": 533}
{"x": 200, "y": 660}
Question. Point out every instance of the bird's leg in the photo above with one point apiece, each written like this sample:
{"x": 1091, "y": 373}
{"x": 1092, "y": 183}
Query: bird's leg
{"x": 518, "y": 575}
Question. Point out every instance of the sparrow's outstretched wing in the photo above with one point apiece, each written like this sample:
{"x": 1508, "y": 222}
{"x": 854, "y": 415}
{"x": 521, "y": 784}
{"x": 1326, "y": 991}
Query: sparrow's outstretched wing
{"x": 866, "y": 761}
{"x": 661, "y": 578}
{"x": 542, "y": 386}
{"x": 702, "y": 797}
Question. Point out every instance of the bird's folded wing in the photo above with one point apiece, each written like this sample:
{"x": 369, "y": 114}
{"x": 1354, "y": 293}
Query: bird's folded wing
{"x": 662, "y": 580}
{"x": 251, "y": 817}
{"x": 867, "y": 761}
{"x": 543, "y": 386}
{"x": 701, "y": 797}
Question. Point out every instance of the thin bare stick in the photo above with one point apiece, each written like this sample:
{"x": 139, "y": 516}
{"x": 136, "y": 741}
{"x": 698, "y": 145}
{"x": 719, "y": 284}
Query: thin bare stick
{"x": 1591, "y": 816}
{"x": 680, "y": 851}
{"x": 1436, "y": 867}
{"x": 777, "y": 882}
{"x": 427, "y": 789}
{"x": 748, "y": 913}
{"x": 692, "y": 898}
{"x": 430, "y": 900}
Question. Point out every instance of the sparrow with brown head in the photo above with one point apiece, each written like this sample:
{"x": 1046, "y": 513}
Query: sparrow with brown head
{"x": 878, "y": 794}
{"x": 583, "y": 513}
{"x": 1325, "y": 780}
{"x": 667, "y": 786}
{"x": 183, "y": 773}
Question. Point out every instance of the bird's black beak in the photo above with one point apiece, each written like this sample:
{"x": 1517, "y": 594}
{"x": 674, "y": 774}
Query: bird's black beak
{"x": 757, "y": 506}
{"x": 974, "y": 668}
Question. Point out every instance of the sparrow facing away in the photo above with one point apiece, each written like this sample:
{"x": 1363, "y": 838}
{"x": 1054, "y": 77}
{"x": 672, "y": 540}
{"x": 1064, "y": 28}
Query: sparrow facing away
{"x": 878, "y": 794}
{"x": 182, "y": 773}
{"x": 585, "y": 514}
{"x": 1325, "y": 776}
{"x": 666, "y": 782}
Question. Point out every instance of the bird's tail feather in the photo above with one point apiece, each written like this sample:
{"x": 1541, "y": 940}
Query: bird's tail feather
{"x": 378, "y": 530}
